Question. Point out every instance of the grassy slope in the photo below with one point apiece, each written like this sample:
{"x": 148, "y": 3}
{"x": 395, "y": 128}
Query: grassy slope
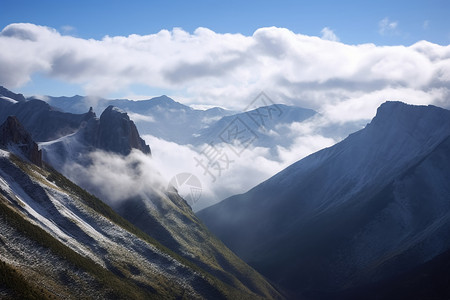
{"x": 121, "y": 288}
{"x": 97, "y": 205}
{"x": 17, "y": 286}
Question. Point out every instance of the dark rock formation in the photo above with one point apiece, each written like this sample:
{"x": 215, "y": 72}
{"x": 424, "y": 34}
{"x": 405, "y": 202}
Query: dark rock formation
{"x": 14, "y": 136}
{"x": 114, "y": 132}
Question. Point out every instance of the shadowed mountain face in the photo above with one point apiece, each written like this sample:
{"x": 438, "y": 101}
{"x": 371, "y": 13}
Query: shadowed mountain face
{"x": 8, "y": 94}
{"x": 42, "y": 121}
{"x": 13, "y": 136}
{"x": 117, "y": 133}
{"x": 368, "y": 208}
{"x": 114, "y": 132}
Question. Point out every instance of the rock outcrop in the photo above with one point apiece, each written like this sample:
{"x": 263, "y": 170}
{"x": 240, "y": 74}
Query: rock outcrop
{"x": 13, "y": 136}
{"x": 118, "y": 134}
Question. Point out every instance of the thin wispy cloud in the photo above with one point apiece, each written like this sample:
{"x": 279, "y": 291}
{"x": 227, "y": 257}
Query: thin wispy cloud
{"x": 68, "y": 29}
{"x": 328, "y": 34}
{"x": 386, "y": 26}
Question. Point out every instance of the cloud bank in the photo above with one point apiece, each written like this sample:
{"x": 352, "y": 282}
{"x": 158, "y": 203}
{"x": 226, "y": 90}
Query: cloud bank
{"x": 250, "y": 168}
{"x": 209, "y": 68}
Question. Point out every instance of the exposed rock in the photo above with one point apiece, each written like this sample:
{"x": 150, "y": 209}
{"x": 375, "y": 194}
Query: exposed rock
{"x": 14, "y": 136}
{"x": 117, "y": 133}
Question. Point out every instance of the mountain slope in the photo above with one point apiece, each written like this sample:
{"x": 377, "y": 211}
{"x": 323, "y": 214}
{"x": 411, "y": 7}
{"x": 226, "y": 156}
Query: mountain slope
{"x": 349, "y": 214}
{"x": 75, "y": 246}
{"x": 53, "y": 236}
{"x": 173, "y": 254}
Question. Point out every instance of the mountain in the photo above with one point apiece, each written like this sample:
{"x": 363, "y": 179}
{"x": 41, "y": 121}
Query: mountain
{"x": 172, "y": 121}
{"x": 369, "y": 208}
{"x": 57, "y": 241}
{"x": 113, "y": 132}
{"x": 160, "y": 213}
{"x": 161, "y": 116}
{"x": 145, "y": 245}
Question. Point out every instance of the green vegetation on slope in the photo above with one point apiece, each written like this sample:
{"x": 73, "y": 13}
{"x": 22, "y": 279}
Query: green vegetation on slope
{"x": 120, "y": 288}
{"x": 19, "y": 287}
{"x": 223, "y": 290}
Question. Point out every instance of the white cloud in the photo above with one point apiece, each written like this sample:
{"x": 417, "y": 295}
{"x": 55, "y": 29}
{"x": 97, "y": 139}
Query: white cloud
{"x": 243, "y": 172}
{"x": 115, "y": 177}
{"x": 328, "y": 34}
{"x": 229, "y": 70}
{"x": 67, "y": 29}
{"x": 138, "y": 117}
{"x": 386, "y": 26}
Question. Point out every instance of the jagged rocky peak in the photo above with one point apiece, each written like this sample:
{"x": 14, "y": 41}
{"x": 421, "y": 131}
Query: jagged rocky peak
{"x": 13, "y": 136}
{"x": 117, "y": 133}
{"x": 91, "y": 112}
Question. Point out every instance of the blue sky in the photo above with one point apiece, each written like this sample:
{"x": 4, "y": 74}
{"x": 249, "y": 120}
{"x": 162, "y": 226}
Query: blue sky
{"x": 353, "y": 21}
{"x": 350, "y": 22}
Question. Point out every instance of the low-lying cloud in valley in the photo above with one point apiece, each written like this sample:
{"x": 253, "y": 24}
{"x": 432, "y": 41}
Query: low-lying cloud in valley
{"x": 241, "y": 172}
{"x": 115, "y": 177}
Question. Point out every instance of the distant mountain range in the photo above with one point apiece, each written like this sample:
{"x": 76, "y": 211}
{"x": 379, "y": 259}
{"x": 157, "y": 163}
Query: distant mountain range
{"x": 161, "y": 116}
{"x": 172, "y": 121}
{"x": 370, "y": 208}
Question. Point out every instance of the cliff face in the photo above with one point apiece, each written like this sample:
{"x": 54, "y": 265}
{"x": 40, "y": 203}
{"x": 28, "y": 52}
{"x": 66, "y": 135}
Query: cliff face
{"x": 118, "y": 134}
{"x": 13, "y": 135}
{"x": 113, "y": 132}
